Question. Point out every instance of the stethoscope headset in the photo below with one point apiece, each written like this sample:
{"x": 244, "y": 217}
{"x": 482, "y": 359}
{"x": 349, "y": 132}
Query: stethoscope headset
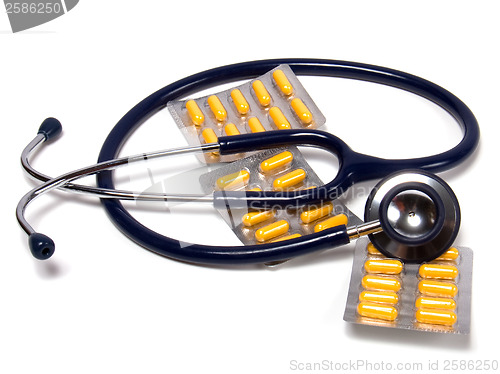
{"x": 407, "y": 188}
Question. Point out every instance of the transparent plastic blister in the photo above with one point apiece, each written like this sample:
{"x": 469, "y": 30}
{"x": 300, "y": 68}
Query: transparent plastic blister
{"x": 282, "y": 103}
{"x": 255, "y": 227}
{"x": 434, "y": 296}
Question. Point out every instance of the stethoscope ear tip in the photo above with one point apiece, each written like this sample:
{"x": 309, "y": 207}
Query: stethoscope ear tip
{"x": 41, "y": 246}
{"x": 51, "y": 128}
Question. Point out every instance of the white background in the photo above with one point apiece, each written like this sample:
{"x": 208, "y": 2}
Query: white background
{"x": 102, "y": 304}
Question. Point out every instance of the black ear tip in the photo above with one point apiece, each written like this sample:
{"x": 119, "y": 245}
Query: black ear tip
{"x": 51, "y": 128}
{"x": 41, "y": 246}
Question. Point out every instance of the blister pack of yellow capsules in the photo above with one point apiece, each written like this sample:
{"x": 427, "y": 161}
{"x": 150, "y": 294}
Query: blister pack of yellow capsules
{"x": 281, "y": 169}
{"x": 274, "y": 101}
{"x": 433, "y": 296}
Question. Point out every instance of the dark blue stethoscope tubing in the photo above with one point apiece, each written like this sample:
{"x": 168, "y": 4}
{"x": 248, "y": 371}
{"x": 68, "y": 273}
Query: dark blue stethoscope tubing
{"x": 354, "y": 166}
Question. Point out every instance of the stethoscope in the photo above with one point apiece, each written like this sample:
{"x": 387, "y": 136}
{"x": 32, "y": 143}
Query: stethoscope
{"x": 410, "y": 214}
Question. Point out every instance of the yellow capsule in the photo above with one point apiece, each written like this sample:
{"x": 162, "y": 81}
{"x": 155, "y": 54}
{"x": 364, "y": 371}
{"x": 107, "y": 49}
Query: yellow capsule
{"x": 217, "y": 108}
{"x": 386, "y": 297}
{"x": 240, "y": 102}
{"x": 301, "y": 111}
{"x": 371, "y": 282}
{"x": 308, "y": 216}
{"x": 450, "y": 255}
{"x": 278, "y": 161}
{"x": 437, "y": 271}
{"x": 261, "y": 93}
{"x": 435, "y": 303}
{"x": 383, "y": 266}
{"x": 290, "y": 179}
{"x": 255, "y": 125}
{"x": 279, "y": 119}
{"x": 436, "y": 317}
{"x": 231, "y": 129}
{"x": 378, "y": 311}
{"x": 339, "y": 219}
{"x": 282, "y": 82}
{"x": 234, "y": 181}
{"x": 253, "y": 218}
{"x": 436, "y": 288}
{"x": 272, "y": 231}
{"x": 372, "y": 250}
{"x": 209, "y": 135}
{"x": 288, "y": 237}
{"x": 195, "y": 113}
{"x": 256, "y": 189}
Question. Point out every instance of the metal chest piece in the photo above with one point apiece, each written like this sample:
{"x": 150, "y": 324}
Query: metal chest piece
{"x": 419, "y": 215}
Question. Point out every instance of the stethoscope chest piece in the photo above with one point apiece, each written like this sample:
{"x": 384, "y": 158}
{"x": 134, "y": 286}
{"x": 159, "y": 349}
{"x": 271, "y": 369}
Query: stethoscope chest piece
{"x": 419, "y": 215}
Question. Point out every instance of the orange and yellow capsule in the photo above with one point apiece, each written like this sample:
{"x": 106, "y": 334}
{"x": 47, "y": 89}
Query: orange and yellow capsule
{"x": 339, "y": 219}
{"x": 437, "y": 288}
{"x": 383, "y": 266}
{"x": 435, "y": 303}
{"x": 195, "y": 113}
{"x": 277, "y": 162}
{"x": 209, "y": 135}
{"x": 279, "y": 119}
{"x": 217, "y": 108}
{"x": 436, "y": 317}
{"x": 386, "y": 297}
{"x": 253, "y": 218}
{"x": 291, "y": 179}
{"x": 255, "y": 125}
{"x": 308, "y": 216}
{"x": 256, "y": 189}
{"x": 371, "y": 282}
{"x": 377, "y": 311}
{"x": 438, "y": 271}
{"x": 301, "y": 110}
{"x": 230, "y": 129}
{"x": 272, "y": 231}
{"x": 288, "y": 237}
{"x": 234, "y": 181}
{"x": 282, "y": 82}
{"x": 372, "y": 250}
{"x": 240, "y": 102}
{"x": 261, "y": 93}
{"x": 450, "y": 255}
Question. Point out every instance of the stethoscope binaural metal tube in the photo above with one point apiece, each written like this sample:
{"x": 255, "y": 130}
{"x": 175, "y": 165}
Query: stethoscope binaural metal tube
{"x": 67, "y": 178}
{"x": 50, "y": 130}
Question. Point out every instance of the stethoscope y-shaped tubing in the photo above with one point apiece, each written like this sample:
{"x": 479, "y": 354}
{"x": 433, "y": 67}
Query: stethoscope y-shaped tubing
{"x": 282, "y": 250}
{"x": 43, "y": 136}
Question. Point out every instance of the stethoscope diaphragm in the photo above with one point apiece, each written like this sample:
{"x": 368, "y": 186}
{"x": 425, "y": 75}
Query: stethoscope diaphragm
{"x": 418, "y": 213}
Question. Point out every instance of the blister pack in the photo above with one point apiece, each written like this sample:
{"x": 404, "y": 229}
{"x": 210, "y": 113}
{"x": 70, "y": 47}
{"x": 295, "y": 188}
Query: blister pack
{"x": 433, "y": 296}
{"x": 274, "y": 101}
{"x": 281, "y": 169}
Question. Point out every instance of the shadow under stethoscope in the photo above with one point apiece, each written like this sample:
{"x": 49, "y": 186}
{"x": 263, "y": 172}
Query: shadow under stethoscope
{"x": 51, "y": 269}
